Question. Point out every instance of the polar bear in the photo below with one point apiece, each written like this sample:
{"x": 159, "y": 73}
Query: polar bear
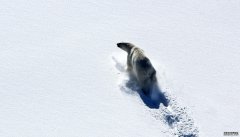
{"x": 140, "y": 66}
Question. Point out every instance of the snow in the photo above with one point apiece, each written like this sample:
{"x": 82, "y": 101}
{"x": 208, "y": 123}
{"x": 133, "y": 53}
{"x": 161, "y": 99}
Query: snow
{"x": 61, "y": 73}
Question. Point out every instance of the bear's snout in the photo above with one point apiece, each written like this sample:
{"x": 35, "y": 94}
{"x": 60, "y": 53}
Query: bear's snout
{"x": 118, "y": 44}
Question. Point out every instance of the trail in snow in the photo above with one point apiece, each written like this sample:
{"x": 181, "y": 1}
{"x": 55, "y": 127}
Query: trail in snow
{"x": 175, "y": 116}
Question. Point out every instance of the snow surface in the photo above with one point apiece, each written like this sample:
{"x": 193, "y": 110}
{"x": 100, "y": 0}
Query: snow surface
{"x": 61, "y": 73}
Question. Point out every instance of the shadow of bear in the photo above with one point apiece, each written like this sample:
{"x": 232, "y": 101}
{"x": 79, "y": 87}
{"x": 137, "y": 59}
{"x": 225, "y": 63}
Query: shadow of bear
{"x": 152, "y": 100}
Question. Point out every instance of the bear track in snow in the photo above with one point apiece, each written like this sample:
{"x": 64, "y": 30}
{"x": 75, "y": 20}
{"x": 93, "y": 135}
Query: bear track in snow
{"x": 175, "y": 116}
